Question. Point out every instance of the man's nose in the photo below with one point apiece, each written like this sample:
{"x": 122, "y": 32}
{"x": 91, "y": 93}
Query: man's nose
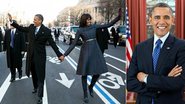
{"x": 162, "y": 21}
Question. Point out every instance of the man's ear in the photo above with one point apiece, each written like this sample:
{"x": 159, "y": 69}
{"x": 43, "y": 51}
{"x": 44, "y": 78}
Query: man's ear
{"x": 150, "y": 20}
{"x": 173, "y": 20}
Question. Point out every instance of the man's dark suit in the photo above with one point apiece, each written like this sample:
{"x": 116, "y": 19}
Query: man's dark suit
{"x": 56, "y": 33}
{"x": 1, "y": 39}
{"x": 36, "y": 53}
{"x": 164, "y": 89}
{"x": 14, "y": 56}
{"x": 102, "y": 36}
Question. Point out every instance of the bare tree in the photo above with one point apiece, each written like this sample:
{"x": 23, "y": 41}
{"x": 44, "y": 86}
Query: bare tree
{"x": 101, "y": 11}
{"x": 62, "y": 18}
{"x": 109, "y": 8}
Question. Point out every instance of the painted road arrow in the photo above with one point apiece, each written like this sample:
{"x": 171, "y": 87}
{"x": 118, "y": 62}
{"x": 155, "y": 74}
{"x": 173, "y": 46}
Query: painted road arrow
{"x": 64, "y": 80}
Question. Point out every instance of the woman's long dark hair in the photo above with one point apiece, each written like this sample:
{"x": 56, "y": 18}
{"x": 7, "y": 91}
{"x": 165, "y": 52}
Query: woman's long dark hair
{"x": 83, "y": 19}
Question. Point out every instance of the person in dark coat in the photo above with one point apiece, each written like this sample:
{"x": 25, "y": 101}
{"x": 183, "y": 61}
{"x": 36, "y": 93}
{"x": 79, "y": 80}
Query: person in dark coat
{"x": 56, "y": 33}
{"x": 115, "y": 36}
{"x": 14, "y": 45}
{"x": 102, "y": 36}
{"x": 91, "y": 60}
{"x": 38, "y": 36}
{"x": 1, "y": 39}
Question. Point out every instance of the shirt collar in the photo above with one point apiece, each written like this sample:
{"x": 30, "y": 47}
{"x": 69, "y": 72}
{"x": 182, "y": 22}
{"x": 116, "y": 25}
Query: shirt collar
{"x": 163, "y": 39}
{"x": 38, "y": 27}
{"x": 14, "y": 29}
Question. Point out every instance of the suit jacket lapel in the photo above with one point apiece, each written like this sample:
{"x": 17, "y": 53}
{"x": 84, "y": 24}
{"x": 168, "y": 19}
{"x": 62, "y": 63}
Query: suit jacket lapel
{"x": 39, "y": 33}
{"x": 164, "y": 52}
{"x": 149, "y": 55}
{"x": 33, "y": 32}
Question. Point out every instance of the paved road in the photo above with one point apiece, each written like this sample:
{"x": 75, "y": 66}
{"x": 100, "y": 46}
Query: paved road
{"x": 62, "y": 85}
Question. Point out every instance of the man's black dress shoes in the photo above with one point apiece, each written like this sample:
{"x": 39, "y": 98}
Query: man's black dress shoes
{"x": 12, "y": 79}
{"x": 86, "y": 100}
{"x": 39, "y": 101}
{"x": 34, "y": 91}
{"x": 20, "y": 75}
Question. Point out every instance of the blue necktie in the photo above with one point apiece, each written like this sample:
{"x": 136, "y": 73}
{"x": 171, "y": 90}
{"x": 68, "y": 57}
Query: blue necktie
{"x": 155, "y": 56}
{"x": 36, "y": 30}
{"x": 12, "y": 39}
{"x": 156, "y": 52}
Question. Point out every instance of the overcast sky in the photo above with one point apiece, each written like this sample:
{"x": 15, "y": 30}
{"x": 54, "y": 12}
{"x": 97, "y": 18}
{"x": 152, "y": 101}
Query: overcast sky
{"x": 48, "y": 8}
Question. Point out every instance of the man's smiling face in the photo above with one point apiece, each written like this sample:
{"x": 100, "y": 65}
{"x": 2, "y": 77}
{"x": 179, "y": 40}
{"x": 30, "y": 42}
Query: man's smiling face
{"x": 161, "y": 20}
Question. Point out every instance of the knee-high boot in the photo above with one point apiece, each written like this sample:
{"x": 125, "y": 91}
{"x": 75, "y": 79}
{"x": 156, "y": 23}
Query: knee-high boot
{"x": 93, "y": 81}
{"x": 84, "y": 86}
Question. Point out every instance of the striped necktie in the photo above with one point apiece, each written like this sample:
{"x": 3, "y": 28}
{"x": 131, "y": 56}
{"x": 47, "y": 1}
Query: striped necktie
{"x": 12, "y": 38}
{"x": 155, "y": 56}
{"x": 156, "y": 52}
{"x": 36, "y": 30}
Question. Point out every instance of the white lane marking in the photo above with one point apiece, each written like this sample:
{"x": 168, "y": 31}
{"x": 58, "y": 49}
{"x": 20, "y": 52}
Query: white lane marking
{"x": 123, "y": 61}
{"x": 4, "y": 87}
{"x": 116, "y": 68}
{"x": 45, "y": 97}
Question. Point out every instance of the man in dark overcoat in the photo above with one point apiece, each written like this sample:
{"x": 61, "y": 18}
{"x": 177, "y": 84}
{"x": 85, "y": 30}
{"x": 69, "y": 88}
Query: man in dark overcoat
{"x": 1, "y": 39}
{"x": 38, "y": 36}
{"x": 14, "y": 45}
{"x": 56, "y": 33}
{"x": 102, "y": 36}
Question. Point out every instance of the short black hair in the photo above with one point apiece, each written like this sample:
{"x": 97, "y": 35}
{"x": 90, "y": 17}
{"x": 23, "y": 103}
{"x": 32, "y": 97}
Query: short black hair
{"x": 14, "y": 21}
{"x": 40, "y": 17}
{"x": 164, "y": 5}
{"x": 83, "y": 19}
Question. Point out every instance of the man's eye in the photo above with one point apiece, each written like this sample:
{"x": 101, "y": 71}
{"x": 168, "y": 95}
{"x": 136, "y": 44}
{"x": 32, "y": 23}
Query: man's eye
{"x": 166, "y": 17}
{"x": 157, "y": 17}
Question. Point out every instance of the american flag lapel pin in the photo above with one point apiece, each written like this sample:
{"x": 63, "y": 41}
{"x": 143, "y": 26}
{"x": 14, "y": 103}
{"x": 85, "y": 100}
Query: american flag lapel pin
{"x": 167, "y": 48}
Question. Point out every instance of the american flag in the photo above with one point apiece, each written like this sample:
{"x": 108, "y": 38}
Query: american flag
{"x": 128, "y": 42}
{"x": 130, "y": 95}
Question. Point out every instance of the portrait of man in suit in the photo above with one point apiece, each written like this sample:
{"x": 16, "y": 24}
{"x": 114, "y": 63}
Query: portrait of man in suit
{"x": 38, "y": 36}
{"x": 156, "y": 72}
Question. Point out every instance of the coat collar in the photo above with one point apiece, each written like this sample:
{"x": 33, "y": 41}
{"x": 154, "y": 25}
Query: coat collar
{"x": 40, "y": 31}
{"x": 164, "y": 53}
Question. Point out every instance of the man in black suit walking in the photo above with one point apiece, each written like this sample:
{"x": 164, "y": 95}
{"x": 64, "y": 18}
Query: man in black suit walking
{"x": 1, "y": 39}
{"x": 102, "y": 36}
{"x": 153, "y": 73}
{"x": 56, "y": 33}
{"x": 38, "y": 36}
{"x": 14, "y": 45}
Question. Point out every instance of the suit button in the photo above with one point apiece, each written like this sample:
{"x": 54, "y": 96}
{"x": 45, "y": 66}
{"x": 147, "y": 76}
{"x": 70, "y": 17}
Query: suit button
{"x": 158, "y": 92}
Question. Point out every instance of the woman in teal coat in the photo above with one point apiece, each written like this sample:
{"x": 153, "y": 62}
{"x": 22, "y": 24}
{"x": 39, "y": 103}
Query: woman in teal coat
{"x": 91, "y": 60}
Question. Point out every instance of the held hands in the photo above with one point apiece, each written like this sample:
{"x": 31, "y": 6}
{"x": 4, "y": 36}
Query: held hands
{"x": 176, "y": 71}
{"x": 61, "y": 58}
